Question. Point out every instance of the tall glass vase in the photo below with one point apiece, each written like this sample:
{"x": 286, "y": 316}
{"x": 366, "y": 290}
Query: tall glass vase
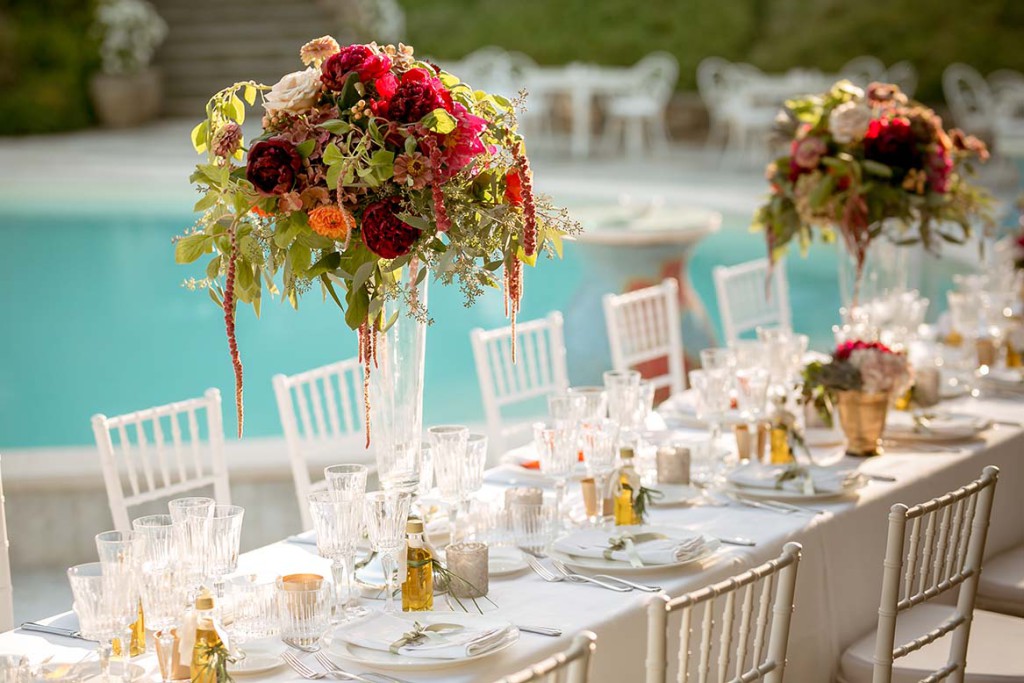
{"x": 885, "y": 272}
{"x": 396, "y": 389}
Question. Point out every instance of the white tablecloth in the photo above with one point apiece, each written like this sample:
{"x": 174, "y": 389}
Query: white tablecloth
{"x": 837, "y": 592}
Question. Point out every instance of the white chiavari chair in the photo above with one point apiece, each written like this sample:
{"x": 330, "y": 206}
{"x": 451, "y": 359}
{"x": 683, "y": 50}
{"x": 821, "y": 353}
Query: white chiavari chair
{"x": 539, "y": 370}
{"x": 863, "y": 70}
{"x": 322, "y": 414}
{"x": 904, "y": 75}
{"x": 643, "y": 326}
{"x": 568, "y": 666}
{"x": 135, "y": 453}
{"x": 933, "y": 548}
{"x": 6, "y": 587}
{"x": 734, "y": 630}
{"x": 749, "y": 296}
{"x": 1001, "y": 588}
{"x": 969, "y": 97}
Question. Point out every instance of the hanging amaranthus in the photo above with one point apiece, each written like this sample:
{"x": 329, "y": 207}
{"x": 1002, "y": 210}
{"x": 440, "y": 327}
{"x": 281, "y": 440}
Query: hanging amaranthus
{"x": 513, "y": 296}
{"x": 368, "y": 358}
{"x": 229, "y": 324}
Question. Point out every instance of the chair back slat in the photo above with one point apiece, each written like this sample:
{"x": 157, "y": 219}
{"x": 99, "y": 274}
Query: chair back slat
{"x": 752, "y": 295}
{"x": 6, "y": 584}
{"x": 568, "y": 666}
{"x": 539, "y": 371}
{"x": 644, "y": 326}
{"x": 321, "y": 411}
{"x": 144, "y": 467}
{"x": 764, "y": 598}
{"x": 918, "y": 568}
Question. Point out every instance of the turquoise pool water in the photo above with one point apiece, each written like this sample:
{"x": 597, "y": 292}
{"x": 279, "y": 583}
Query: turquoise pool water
{"x": 95, "y": 320}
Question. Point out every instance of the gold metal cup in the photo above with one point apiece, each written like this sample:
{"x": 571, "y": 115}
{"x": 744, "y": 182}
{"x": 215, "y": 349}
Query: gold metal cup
{"x": 862, "y": 417}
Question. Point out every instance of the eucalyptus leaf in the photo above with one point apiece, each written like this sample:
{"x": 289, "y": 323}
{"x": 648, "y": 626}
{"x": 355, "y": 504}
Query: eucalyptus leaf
{"x": 363, "y": 274}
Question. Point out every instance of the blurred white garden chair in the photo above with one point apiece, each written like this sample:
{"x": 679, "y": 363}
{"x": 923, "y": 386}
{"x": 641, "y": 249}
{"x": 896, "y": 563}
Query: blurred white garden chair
{"x": 322, "y": 417}
{"x": 752, "y": 295}
{"x": 969, "y": 98}
{"x": 135, "y": 453}
{"x": 713, "y": 85}
{"x": 639, "y": 115}
{"x": 539, "y": 370}
{"x": 863, "y": 70}
{"x": 568, "y": 666}
{"x": 941, "y": 550}
{"x": 741, "y": 625}
{"x": 6, "y": 587}
{"x": 644, "y": 326}
{"x": 904, "y": 75}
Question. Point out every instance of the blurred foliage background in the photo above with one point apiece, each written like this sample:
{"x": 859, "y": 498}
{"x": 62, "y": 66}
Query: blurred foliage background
{"x": 46, "y": 54}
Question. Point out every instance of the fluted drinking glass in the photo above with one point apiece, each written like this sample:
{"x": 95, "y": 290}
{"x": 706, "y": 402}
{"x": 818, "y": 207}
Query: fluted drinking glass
{"x": 338, "y": 523}
{"x": 385, "y": 514}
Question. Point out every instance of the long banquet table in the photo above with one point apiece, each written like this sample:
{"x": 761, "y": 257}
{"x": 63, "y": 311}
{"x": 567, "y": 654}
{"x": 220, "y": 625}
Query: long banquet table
{"x": 837, "y": 591}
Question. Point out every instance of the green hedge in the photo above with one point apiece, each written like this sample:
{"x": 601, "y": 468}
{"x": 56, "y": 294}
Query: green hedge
{"x": 46, "y": 55}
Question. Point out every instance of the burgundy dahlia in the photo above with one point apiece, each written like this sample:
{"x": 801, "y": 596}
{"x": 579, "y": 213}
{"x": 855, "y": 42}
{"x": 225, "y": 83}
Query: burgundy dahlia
{"x": 384, "y": 233}
{"x": 417, "y": 95}
{"x": 272, "y": 166}
{"x": 892, "y": 142}
{"x": 359, "y": 59}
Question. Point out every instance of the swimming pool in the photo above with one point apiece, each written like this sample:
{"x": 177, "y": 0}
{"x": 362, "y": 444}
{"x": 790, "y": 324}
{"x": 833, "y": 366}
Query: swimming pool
{"x": 95, "y": 320}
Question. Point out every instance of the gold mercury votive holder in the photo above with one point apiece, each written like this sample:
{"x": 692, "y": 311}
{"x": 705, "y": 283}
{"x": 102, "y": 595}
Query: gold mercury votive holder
{"x": 468, "y": 562}
{"x": 673, "y": 463}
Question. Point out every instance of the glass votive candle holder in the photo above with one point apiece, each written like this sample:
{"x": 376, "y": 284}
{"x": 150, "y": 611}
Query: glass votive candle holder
{"x": 304, "y": 609}
{"x": 14, "y": 669}
{"x": 532, "y": 526}
{"x": 674, "y": 464}
{"x": 523, "y": 494}
{"x": 467, "y": 561}
{"x": 927, "y": 386}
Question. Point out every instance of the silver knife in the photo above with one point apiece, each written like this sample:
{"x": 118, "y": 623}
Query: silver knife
{"x": 52, "y": 630}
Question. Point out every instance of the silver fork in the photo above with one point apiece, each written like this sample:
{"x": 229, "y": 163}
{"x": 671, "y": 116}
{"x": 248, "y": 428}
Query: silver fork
{"x": 335, "y": 670}
{"x": 301, "y": 668}
{"x": 548, "y": 575}
{"x": 606, "y": 577}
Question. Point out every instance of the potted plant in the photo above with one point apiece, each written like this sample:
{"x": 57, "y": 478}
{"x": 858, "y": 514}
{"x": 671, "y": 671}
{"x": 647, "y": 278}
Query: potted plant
{"x": 126, "y": 92}
{"x": 859, "y": 382}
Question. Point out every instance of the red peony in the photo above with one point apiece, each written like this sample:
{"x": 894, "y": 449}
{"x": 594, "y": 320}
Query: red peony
{"x": 417, "y": 95}
{"x": 891, "y": 141}
{"x": 359, "y": 59}
{"x": 844, "y": 350}
{"x": 386, "y": 86}
{"x": 384, "y": 233}
{"x": 272, "y": 166}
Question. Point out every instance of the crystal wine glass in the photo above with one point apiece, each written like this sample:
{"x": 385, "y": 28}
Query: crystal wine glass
{"x": 596, "y": 402}
{"x": 219, "y": 545}
{"x": 386, "y": 514}
{"x": 105, "y": 605}
{"x": 752, "y": 396}
{"x": 187, "y": 515}
{"x": 346, "y": 480}
{"x": 120, "y": 555}
{"x": 557, "y": 444}
{"x": 567, "y": 407}
{"x": 712, "y": 387}
{"x": 598, "y": 438}
{"x": 450, "y": 445}
{"x": 623, "y": 389}
{"x": 338, "y": 521}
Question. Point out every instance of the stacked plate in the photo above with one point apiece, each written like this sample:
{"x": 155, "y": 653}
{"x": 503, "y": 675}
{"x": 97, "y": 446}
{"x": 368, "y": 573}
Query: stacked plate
{"x": 656, "y": 546}
{"x": 780, "y": 482}
{"x": 933, "y": 427}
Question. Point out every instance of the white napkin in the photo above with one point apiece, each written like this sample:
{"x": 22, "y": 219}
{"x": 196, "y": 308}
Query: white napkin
{"x": 380, "y": 631}
{"x": 825, "y": 479}
{"x": 950, "y": 426}
{"x": 675, "y": 548}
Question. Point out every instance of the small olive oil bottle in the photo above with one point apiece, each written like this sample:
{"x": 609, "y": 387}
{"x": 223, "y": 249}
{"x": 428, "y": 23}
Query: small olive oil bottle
{"x": 418, "y": 589}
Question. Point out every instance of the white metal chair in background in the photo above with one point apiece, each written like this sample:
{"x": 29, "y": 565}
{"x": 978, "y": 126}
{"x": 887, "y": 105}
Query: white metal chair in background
{"x": 741, "y": 624}
{"x": 750, "y": 297}
{"x": 863, "y": 70}
{"x": 151, "y": 467}
{"x": 6, "y": 586}
{"x": 904, "y": 75}
{"x": 643, "y": 110}
{"x": 713, "y": 86}
{"x": 539, "y": 370}
{"x": 644, "y": 326}
{"x": 942, "y": 550}
{"x": 321, "y": 413}
{"x": 969, "y": 98}
{"x": 568, "y": 666}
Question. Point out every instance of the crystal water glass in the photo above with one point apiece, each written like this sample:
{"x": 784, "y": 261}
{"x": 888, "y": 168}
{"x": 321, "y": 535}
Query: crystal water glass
{"x": 398, "y": 464}
{"x": 346, "y": 480}
{"x": 105, "y": 605}
{"x": 219, "y": 534}
{"x": 159, "y": 540}
{"x": 752, "y": 396}
{"x": 164, "y": 592}
{"x": 450, "y": 468}
{"x": 253, "y": 601}
{"x": 426, "y": 469}
{"x": 385, "y": 514}
{"x": 304, "y": 610}
{"x": 532, "y": 526}
{"x": 623, "y": 389}
{"x": 712, "y": 390}
{"x": 567, "y": 407}
{"x": 598, "y": 439}
{"x": 596, "y": 402}
{"x": 187, "y": 515}
{"x": 15, "y": 669}
{"x": 557, "y": 446}
{"x": 338, "y": 522}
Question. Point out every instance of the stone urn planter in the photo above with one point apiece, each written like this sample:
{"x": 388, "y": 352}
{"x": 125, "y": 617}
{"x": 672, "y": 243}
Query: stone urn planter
{"x": 126, "y": 100}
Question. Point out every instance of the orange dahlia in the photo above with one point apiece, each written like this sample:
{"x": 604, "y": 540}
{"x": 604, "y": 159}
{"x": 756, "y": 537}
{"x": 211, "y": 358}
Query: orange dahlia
{"x": 331, "y": 221}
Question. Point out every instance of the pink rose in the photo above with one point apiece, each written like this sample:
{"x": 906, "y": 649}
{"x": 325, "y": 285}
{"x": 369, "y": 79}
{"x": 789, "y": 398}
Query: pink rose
{"x": 807, "y": 153}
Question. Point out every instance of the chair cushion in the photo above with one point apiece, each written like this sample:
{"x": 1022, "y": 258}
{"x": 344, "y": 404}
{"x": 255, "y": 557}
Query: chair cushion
{"x": 994, "y": 653}
{"x": 1001, "y": 587}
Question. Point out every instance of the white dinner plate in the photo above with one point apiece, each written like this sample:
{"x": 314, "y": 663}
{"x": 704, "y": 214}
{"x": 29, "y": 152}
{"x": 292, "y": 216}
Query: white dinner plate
{"x": 600, "y": 563}
{"x": 505, "y": 561}
{"x": 766, "y": 472}
{"x": 515, "y": 459}
{"x": 822, "y": 437}
{"x": 255, "y": 663}
{"x": 936, "y": 428}
{"x": 386, "y": 660}
{"x": 84, "y": 671}
{"x": 674, "y": 494}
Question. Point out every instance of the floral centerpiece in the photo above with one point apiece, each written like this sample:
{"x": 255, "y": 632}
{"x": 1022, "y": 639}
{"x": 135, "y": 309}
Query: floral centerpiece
{"x": 372, "y": 169}
{"x": 857, "y": 159}
{"x": 859, "y": 381}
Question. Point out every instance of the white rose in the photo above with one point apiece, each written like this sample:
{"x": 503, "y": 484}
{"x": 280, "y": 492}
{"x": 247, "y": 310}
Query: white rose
{"x": 295, "y": 92}
{"x": 849, "y": 122}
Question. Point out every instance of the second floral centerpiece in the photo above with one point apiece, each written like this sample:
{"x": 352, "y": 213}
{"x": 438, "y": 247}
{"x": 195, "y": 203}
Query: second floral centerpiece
{"x": 858, "y": 383}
